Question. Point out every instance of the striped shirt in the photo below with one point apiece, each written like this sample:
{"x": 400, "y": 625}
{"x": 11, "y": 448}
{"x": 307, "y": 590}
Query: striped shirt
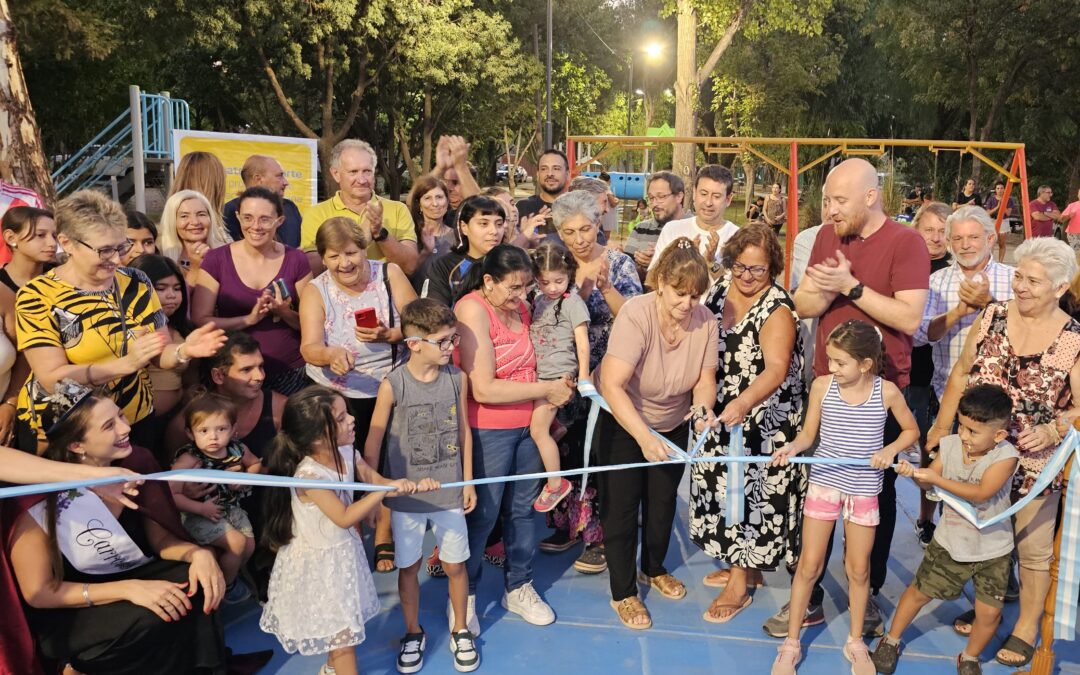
{"x": 850, "y": 431}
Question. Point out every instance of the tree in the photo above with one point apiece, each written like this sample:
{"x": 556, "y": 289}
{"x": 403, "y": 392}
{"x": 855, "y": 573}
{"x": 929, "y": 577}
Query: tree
{"x": 719, "y": 21}
{"x": 22, "y": 159}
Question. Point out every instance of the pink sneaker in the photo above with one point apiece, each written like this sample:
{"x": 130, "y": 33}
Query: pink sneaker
{"x": 549, "y": 498}
{"x": 787, "y": 657}
{"x": 856, "y": 652}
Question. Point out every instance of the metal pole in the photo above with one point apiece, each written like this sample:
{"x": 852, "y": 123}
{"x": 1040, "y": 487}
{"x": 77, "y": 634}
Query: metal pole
{"x": 1025, "y": 198}
{"x": 792, "y": 211}
{"x": 138, "y": 166}
{"x": 629, "y": 94}
{"x": 549, "y": 134}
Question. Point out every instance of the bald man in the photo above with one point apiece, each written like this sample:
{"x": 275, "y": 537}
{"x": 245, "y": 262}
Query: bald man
{"x": 867, "y": 266}
{"x": 266, "y": 171}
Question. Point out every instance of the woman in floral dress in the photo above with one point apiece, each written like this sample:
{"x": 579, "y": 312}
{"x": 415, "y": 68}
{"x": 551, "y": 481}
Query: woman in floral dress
{"x": 761, "y": 388}
{"x": 1031, "y": 349}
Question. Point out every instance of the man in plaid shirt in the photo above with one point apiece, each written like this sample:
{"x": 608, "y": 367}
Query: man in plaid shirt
{"x": 959, "y": 292}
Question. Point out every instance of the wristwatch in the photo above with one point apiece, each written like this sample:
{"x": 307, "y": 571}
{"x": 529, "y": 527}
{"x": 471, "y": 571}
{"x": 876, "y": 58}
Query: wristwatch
{"x": 382, "y": 235}
{"x": 856, "y": 292}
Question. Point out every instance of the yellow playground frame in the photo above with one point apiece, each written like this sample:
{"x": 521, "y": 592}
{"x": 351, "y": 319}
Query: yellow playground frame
{"x": 1015, "y": 174}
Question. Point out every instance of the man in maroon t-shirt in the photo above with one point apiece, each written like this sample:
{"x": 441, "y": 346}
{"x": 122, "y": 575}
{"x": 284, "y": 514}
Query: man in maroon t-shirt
{"x": 866, "y": 266}
{"x": 1043, "y": 213}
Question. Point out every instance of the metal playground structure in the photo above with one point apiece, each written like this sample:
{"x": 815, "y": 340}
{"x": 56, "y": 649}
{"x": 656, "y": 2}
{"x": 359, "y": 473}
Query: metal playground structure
{"x": 1016, "y": 174}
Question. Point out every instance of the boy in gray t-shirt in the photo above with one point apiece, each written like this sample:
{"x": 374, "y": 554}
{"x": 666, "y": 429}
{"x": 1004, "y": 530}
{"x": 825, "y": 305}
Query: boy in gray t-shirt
{"x": 420, "y": 410}
{"x": 975, "y": 465}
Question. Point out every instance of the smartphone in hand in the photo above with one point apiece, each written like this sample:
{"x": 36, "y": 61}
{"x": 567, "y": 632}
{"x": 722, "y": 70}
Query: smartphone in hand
{"x": 366, "y": 318}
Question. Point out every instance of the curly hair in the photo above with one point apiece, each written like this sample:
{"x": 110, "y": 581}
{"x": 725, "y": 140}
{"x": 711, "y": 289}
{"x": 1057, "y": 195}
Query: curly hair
{"x": 755, "y": 234}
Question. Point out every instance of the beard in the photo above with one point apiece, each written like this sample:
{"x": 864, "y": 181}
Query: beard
{"x": 555, "y": 192}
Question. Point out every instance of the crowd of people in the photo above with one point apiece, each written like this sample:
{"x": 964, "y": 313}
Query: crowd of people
{"x": 411, "y": 345}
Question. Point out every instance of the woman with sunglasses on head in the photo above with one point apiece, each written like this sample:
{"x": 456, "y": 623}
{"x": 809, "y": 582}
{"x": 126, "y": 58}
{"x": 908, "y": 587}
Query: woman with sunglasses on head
{"x": 95, "y": 322}
{"x": 762, "y": 389}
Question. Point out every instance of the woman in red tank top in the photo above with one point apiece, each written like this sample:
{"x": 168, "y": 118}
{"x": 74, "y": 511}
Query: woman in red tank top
{"x": 498, "y": 356}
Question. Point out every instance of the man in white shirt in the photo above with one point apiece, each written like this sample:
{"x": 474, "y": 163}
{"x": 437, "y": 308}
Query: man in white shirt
{"x": 708, "y": 227}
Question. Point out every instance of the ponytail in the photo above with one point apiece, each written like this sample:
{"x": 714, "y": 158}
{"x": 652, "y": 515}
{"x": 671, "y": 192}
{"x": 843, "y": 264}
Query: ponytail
{"x": 552, "y": 256}
{"x": 308, "y": 419}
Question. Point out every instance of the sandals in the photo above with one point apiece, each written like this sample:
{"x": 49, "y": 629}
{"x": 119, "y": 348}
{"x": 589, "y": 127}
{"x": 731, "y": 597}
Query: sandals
{"x": 719, "y": 579}
{"x": 665, "y": 584}
{"x": 961, "y": 625}
{"x": 384, "y": 552}
{"x": 717, "y": 606}
{"x": 1016, "y": 646}
{"x": 629, "y": 609}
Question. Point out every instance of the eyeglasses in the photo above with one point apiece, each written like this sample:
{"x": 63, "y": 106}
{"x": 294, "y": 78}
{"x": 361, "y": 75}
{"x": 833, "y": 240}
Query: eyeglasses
{"x": 756, "y": 272}
{"x": 264, "y": 221}
{"x": 656, "y": 198}
{"x": 444, "y": 344}
{"x": 107, "y": 252}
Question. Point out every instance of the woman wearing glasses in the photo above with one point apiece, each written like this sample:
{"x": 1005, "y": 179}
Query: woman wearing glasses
{"x": 95, "y": 322}
{"x": 252, "y": 285}
{"x": 762, "y": 387}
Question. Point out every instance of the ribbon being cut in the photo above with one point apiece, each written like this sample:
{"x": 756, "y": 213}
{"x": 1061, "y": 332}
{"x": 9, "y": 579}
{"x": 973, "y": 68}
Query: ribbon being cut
{"x": 1069, "y": 565}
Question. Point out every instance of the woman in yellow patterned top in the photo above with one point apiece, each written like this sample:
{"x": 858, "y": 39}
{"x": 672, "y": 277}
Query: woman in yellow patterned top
{"x": 95, "y": 322}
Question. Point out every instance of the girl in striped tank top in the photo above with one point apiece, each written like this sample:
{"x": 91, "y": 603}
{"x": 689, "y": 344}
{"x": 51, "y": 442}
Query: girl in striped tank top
{"x": 846, "y": 416}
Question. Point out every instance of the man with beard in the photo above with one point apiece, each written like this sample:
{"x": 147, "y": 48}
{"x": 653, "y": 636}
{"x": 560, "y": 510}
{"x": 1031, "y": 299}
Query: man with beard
{"x": 553, "y": 177}
{"x": 709, "y": 227}
{"x": 665, "y": 192}
{"x": 865, "y": 266}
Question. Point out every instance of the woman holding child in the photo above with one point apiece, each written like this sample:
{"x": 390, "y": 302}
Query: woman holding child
{"x": 497, "y": 354}
{"x": 1030, "y": 348}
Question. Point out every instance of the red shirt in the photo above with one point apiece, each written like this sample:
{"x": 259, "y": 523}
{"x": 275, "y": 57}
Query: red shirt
{"x": 892, "y": 259}
{"x": 1042, "y": 228}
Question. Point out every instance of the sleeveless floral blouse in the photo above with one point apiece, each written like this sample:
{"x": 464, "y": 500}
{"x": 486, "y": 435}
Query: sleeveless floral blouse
{"x": 1037, "y": 383}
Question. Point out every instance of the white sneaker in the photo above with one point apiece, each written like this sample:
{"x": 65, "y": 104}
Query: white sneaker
{"x": 527, "y": 603}
{"x": 471, "y": 620}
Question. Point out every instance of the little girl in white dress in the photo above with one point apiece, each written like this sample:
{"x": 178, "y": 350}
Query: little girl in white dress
{"x": 321, "y": 593}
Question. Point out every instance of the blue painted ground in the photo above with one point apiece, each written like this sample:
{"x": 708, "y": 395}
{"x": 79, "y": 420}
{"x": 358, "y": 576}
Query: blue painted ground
{"x": 587, "y": 637}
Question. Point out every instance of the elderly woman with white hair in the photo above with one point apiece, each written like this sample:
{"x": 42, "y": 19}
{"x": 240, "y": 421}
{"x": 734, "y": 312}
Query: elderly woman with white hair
{"x": 606, "y": 279}
{"x": 1030, "y": 348}
{"x": 605, "y": 201}
{"x": 189, "y": 229}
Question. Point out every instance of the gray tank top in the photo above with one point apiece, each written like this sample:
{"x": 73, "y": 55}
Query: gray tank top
{"x": 424, "y": 438}
{"x": 963, "y": 541}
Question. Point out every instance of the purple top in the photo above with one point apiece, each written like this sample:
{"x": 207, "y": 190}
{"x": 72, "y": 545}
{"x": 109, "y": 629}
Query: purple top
{"x": 279, "y": 342}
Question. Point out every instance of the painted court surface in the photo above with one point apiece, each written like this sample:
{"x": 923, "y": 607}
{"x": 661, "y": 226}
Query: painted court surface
{"x": 587, "y": 637}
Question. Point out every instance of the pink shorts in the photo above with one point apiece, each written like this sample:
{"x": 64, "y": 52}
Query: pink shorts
{"x": 826, "y": 503}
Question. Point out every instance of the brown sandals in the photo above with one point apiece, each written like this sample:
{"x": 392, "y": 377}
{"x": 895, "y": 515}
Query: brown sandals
{"x": 632, "y": 608}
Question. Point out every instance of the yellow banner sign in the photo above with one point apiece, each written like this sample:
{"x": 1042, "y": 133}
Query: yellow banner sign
{"x": 298, "y": 157}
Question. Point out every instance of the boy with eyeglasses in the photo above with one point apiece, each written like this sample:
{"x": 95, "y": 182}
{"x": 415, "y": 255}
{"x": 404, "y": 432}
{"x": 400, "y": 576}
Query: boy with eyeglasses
{"x": 420, "y": 410}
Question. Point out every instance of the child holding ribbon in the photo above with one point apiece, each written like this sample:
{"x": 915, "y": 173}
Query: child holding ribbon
{"x": 848, "y": 408}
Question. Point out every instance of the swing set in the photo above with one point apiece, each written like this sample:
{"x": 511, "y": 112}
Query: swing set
{"x": 1016, "y": 174}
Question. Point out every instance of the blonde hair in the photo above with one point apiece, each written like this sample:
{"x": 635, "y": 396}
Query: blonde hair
{"x": 169, "y": 244}
{"x": 87, "y": 210}
{"x": 202, "y": 172}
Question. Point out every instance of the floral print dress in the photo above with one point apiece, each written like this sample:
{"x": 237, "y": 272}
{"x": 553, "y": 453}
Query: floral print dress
{"x": 1038, "y": 383}
{"x": 770, "y": 528}
{"x": 576, "y": 514}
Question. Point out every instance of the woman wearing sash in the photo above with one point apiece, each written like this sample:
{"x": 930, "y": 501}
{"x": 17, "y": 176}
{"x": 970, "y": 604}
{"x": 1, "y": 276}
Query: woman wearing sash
{"x": 111, "y": 589}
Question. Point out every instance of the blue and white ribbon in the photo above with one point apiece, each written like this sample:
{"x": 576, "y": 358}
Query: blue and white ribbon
{"x": 1068, "y": 566}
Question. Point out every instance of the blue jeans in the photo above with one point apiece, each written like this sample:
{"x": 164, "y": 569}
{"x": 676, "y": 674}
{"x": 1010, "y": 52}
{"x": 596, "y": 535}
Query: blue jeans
{"x": 504, "y": 452}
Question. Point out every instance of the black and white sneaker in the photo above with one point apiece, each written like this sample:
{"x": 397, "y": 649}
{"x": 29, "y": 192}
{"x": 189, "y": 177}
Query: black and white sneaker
{"x": 463, "y": 647}
{"x": 411, "y": 657}
{"x": 925, "y": 530}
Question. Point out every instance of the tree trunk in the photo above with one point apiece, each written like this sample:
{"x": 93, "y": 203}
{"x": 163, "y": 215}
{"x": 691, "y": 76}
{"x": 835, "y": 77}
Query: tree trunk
{"x": 22, "y": 158}
{"x": 686, "y": 91}
{"x": 429, "y": 131}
